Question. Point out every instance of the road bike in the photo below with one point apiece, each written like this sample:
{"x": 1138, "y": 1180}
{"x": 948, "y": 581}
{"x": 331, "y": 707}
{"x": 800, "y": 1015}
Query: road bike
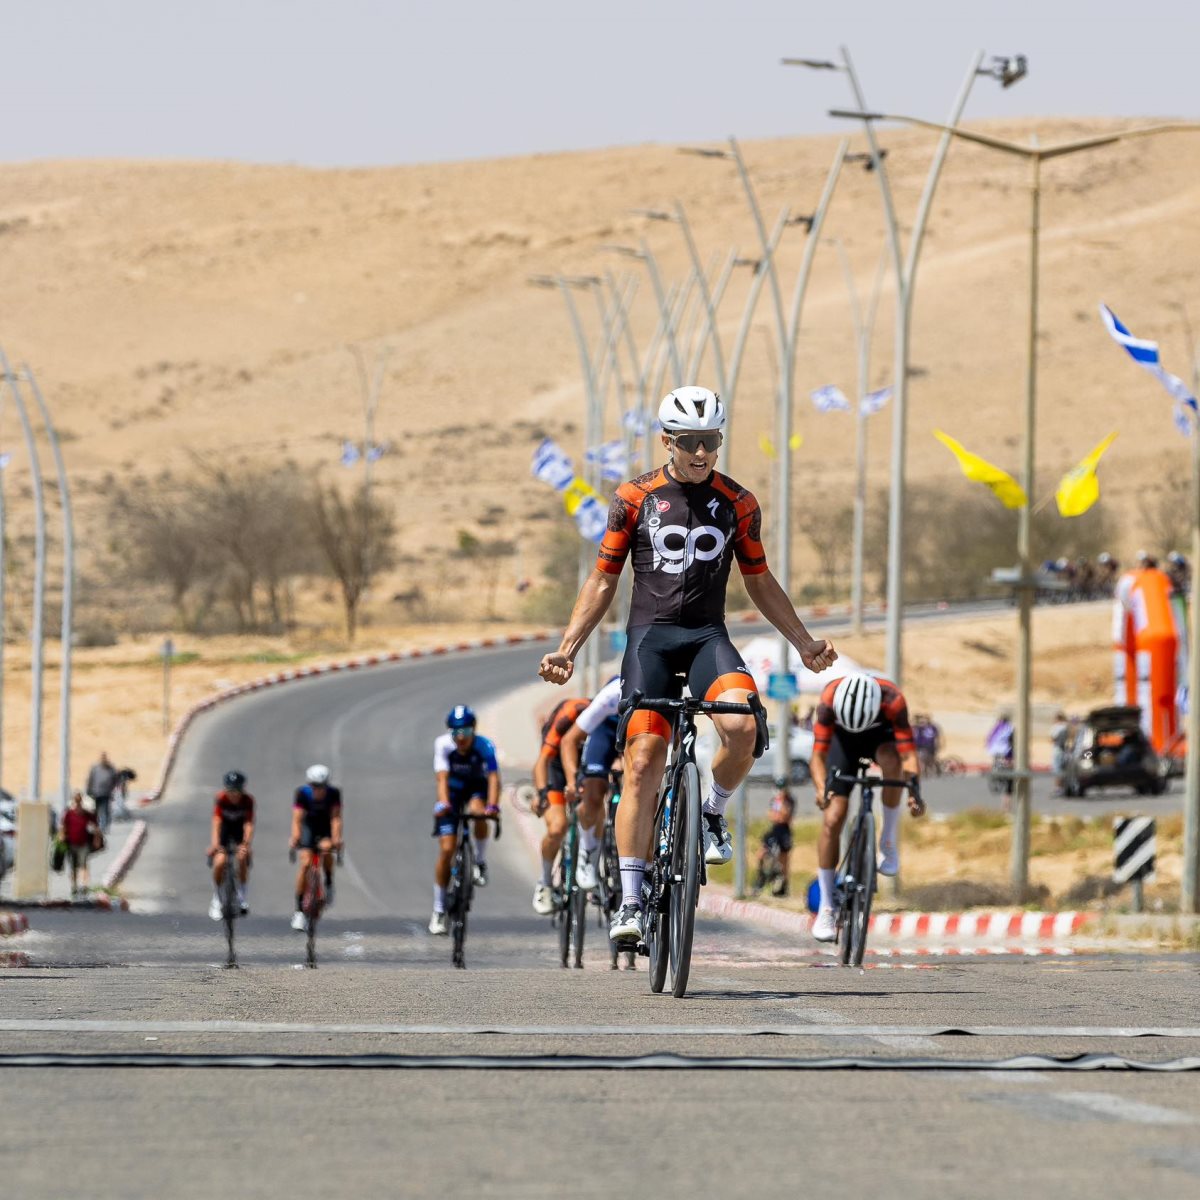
{"x": 607, "y": 895}
{"x": 676, "y": 871}
{"x": 313, "y": 899}
{"x": 570, "y": 900}
{"x": 227, "y": 893}
{"x": 461, "y": 888}
{"x": 857, "y": 873}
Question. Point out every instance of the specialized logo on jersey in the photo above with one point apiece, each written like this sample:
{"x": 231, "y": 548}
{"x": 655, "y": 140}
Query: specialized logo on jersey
{"x": 676, "y": 547}
{"x": 712, "y": 507}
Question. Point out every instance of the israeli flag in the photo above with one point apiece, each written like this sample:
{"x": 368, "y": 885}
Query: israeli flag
{"x": 1183, "y": 422}
{"x": 635, "y": 422}
{"x": 552, "y": 465}
{"x": 375, "y": 453}
{"x": 614, "y": 462}
{"x": 830, "y": 399}
{"x": 350, "y": 454}
{"x": 1145, "y": 354}
{"x": 591, "y": 519}
{"x": 872, "y": 402}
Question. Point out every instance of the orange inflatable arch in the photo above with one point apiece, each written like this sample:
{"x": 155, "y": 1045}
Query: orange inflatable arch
{"x": 1146, "y": 645}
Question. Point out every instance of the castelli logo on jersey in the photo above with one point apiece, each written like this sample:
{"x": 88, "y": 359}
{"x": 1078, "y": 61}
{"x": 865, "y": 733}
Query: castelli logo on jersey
{"x": 663, "y": 505}
{"x": 676, "y": 547}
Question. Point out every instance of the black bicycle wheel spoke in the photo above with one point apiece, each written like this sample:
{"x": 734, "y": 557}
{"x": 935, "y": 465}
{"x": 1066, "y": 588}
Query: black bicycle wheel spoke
{"x": 579, "y": 903}
{"x": 866, "y": 887}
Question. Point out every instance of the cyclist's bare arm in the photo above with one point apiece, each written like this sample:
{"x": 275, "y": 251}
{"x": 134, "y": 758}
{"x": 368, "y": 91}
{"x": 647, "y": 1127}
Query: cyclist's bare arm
{"x": 772, "y": 601}
{"x": 910, "y": 768}
{"x": 571, "y": 748}
{"x": 493, "y": 796}
{"x": 247, "y": 834}
{"x": 819, "y": 769}
{"x": 335, "y": 827}
{"x": 215, "y": 844}
{"x": 443, "y": 788}
{"x": 592, "y": 603}
{"x": 294, "y": 840}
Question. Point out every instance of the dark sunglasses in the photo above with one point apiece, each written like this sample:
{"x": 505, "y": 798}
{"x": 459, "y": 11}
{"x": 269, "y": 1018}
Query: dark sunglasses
{"x": 689, "y": 443}
{"x": 464, "y": 731}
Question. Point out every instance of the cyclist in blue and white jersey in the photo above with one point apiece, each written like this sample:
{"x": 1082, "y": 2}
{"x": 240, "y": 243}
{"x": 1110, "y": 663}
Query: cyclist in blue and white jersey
{"x": 468, "y": 776}
{"x": 588, "y": 749}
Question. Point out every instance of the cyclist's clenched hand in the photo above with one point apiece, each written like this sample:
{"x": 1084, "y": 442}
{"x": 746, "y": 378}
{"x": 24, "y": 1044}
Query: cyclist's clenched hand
{"x": 916, "y": 805}
{"x": 818, "y": 654}
{"x": 822, "y": 799}
{"x": 556, "y": 668}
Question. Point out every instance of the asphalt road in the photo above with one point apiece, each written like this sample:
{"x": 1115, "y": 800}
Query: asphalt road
{"x": 935, "y": 1109}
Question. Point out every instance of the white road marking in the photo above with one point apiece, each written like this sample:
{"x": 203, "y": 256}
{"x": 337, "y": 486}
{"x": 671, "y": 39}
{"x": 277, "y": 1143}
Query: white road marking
{"x": 1120, "y": 1108}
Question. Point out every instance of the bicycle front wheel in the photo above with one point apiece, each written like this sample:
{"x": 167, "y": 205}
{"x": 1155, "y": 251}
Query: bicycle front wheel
{"x": 578, "y": 919}
{"x": 860, "y": 912}
{"x": 685, "y": 876}
{"x": 658, "y": 932}
{"x": 464, "y": 866}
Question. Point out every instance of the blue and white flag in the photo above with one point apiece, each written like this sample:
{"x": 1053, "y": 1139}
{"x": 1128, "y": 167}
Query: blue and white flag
{"x": 635, "y": 422}
{"x": 592, "y": 519}
{"x": 350, "y": 454}
{"x": 5, "y": 459}
{"x": 830, "y": 399}
{"x": 552, "y": 465}
{"x": 872, "y": 402}
{"x": 614, "y": 462}
{"x": 1145, "y": 354}
{"x": 375, "y": 453}
{"x": 1183, "y": 422}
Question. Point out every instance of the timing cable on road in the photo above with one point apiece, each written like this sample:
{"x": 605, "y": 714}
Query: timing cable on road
{"x": 588, "y": 1062}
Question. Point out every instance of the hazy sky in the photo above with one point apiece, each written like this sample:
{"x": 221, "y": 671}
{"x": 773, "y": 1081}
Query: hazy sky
{"x": 362, "y": 82}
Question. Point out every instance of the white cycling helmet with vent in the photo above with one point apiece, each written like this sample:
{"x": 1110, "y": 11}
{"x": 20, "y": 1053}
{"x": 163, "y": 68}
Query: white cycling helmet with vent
{"x": 856, "y": 702}
{"x": 691, "y": 409}
{"x": 317, "y": 774}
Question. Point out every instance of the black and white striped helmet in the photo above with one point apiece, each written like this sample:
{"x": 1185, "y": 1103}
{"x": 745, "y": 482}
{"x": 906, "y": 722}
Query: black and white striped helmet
{"x": 856, "y": 702}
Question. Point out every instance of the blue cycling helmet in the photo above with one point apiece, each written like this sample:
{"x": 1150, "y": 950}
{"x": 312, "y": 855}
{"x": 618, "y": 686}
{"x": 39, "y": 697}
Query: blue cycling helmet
{"x": 461, "y": 716}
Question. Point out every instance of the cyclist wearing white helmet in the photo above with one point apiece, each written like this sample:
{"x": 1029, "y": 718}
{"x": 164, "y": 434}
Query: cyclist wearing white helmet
{"x": 859, "y": 716}
{"x": 316, "y": 829}
{"x": 683, "y": 526}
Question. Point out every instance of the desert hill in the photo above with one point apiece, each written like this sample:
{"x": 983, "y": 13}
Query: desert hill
{"x": 174, "y": 307}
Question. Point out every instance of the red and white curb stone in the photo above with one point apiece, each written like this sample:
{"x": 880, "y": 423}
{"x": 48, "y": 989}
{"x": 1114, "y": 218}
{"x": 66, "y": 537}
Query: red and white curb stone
{"x": 11, "y": 922}
{"x": 351, "y": 664}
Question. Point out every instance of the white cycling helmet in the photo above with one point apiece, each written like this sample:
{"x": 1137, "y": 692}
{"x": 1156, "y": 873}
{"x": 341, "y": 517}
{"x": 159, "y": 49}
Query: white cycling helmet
{"x": 691, "y": 409}
{"x": 317, "y": 773}
{"x": 856, "y": 702}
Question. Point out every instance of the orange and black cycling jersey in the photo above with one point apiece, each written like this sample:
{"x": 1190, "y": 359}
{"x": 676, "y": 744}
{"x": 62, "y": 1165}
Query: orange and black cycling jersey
{"x": 233, "y": 812}
{"x": 557, "y": 724}
{"x": 892, "y": 721}
{"x": 683, "y": 538}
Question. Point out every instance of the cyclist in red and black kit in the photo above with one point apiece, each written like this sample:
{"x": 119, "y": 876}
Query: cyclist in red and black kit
{"x": 232, "y": 833}
{"x": 552, "y": 785}
{"x": 683, "y": 525}
{"x": 859, "y": 716}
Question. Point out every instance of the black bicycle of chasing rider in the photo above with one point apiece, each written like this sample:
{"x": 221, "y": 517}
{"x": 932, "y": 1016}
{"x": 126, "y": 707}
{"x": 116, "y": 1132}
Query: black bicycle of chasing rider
{"x": 856, "y": 875}
{"x": 461, "y": 887}
{"x": 676, "y": 872}
{"x": 231, "y": 907}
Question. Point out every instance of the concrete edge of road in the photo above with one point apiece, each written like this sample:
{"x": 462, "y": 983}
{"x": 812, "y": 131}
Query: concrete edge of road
{"x": 12, "y": 923}
{"x": 128, "y": 856}
{"x": 95, "y": 902}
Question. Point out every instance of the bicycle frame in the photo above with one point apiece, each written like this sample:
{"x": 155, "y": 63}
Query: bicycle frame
{"x": 462, "y": 881}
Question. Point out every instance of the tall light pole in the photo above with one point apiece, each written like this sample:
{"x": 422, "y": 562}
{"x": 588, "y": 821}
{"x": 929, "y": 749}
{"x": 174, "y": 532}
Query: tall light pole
{"x": 1034, "y": 155}
{"x": 1007, "y": 71}
{"x": 68, "y": 592}
{"x": 37, "y": 634}
{"x": 787, "y": 331}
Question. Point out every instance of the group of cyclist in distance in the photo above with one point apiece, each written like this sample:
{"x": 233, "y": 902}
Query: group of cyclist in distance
{"x": 681, "y": 527}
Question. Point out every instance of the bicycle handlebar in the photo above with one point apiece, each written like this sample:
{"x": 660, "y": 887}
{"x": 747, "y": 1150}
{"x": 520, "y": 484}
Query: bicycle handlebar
{"x": 693, "y": 705}
{"x": 875, "y": 781}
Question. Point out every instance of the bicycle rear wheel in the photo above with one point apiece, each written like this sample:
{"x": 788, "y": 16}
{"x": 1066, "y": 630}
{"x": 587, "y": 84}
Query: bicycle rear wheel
{"x": 579, "y": 920}
{"x": 311, "y": 903}
{"x": 567, "y": 892}
{"x": 685, "y": 876}
{"x": 860, "y": 913}
{"x": 464, "y": 867}
{"x": 229, "y": 910}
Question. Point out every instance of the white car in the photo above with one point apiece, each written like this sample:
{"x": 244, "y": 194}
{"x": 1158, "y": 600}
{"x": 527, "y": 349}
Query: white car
{"x": 800, "y": 748}
{"x": 8, "y": 829}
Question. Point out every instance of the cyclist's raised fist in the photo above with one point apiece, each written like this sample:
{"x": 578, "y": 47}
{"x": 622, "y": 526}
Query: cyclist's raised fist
{"x": 556, "y": 668}
{"x": 818, "y": 654}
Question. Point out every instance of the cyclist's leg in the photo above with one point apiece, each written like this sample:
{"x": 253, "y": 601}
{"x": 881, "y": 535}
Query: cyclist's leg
{"x": 479, "y": 829}
{"x": 888, "y": 758}
{"x": 648, "y": 667}
{"x": 325, "y": 846}
{"x": 445, "y": 829}
{"x": 218, "y": 867}
{"x": 556, "y": 820}
{"x": 596, "y": 762}
{"x": 843, "y": 757}
{"x": 307, "y": 849}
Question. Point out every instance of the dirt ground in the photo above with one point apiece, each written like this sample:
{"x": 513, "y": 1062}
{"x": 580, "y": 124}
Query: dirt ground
{"x": 961, "y": 671}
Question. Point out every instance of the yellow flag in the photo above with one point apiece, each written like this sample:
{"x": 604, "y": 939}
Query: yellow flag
{"x": 1079, "y": 488}
{"x": 768, "y": 447}
{"x": 1006, "y": 489}
{"x": 576, "y": 492}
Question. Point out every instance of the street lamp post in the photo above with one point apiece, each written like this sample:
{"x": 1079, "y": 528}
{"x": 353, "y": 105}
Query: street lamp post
{"x": 1035, "y": 155}
{"x": 1007, "y": 71}
{"x": 1190, "y": 898}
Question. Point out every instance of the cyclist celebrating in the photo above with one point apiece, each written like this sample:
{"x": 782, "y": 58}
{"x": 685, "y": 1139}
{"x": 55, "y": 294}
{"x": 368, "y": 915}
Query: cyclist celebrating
{"x": 468, "y": 774}
{"x": 859, "y": 716}
{"x": 683, "y": 525}
{"x": 232, "y": 830}
{"x": 553, "y": 783}
{"x": 594, "y": 737}
{"x": 316, "y": 829}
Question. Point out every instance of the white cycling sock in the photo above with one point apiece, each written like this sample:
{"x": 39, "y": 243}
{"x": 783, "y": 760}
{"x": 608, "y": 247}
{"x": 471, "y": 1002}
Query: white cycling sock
{"x": 718, "y": 798}
{"x": 588, "y": 839}
{"x": 481, "y": 850}
{"x": 439, "y": 899}
{"x": 632, "y": 870}
{"x": 827, "y": 879}
{"x": 547, "y": 872}
{"x": 891, "y": 820}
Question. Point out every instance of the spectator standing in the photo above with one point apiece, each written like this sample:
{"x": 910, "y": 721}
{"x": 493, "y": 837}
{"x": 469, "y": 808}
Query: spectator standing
{"x": 778, "y": 839}
{"x": 78, "y": 832}
{"x": 1000, "y": 748}
{"x": 101, "y": 781}
{"x": 1060, "y": 741}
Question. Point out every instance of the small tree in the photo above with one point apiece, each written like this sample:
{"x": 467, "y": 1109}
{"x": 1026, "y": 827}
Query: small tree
{"x": 487, "y": 554}
{"x": 356, "y": 539}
